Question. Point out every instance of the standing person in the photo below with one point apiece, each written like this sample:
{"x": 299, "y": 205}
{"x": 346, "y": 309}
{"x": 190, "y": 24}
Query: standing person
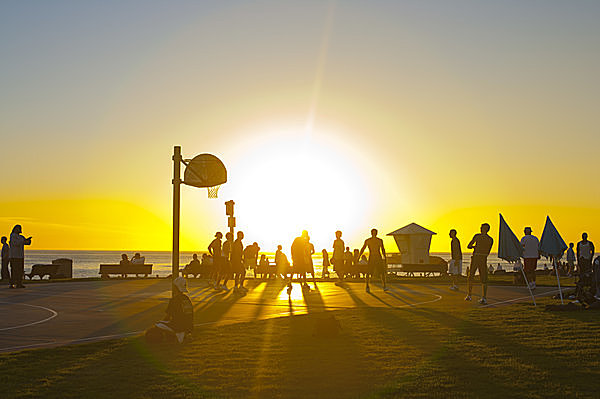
{"x": 5, "y": 259}
{"x": 585, "y": 253}
{"x": 310, "y": 268}
{"x": 299, "y": 259}
{"x": 570, "y": 260}
{"x": 215, "y": 250}
{"x": 456, "y": 261}
{"x": 226, "y": 266}
{"x": 338, "y": 257}
{"x": 531, "y": 254}
{"x": 281, "y": 262}
{"x": 481, "y": 244}
{"x": 377, "y": 262}
{"x": 17, "y": 256}
{"x": 237, "y": 263}
{"x": 325, "y": 272}
{"x": 348, "y": 259}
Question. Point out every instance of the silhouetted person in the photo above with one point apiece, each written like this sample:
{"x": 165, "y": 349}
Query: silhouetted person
{"x": 193, "y": 267}
{"x": 237, "y": 263}
{"x": 310, "y": 268}
{"x": 325, "y": 272}
{"x": 138, "y": 259}
{"x": 531, "y": 254}
{"x": 5, "y": 259}
{"x": 481, "y": 244}
{"x": 571, "y": 260}
{"x": 17, "y": 256}
{"x": 338, "y": 257}
{"x": 348, "y": 262}
{"x": 585, "y": 253}
{"x": 377, "y": 261}
{"x": 124, "y": 260}
{"x": 179, "y": 319}
{"x": 300, "y": 254}
{"x": 455, "y": 268}
{"x": 282, "y": 263}
{"x": 220, "y": 268}
{"x": 226, "y": 272}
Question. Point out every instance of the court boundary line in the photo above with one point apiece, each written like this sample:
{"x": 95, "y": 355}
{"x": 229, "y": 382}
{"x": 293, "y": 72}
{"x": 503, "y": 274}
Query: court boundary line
{"x": 52, "y": 311}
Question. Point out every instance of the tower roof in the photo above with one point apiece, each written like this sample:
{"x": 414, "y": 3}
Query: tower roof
{"x": 411, "y": 229}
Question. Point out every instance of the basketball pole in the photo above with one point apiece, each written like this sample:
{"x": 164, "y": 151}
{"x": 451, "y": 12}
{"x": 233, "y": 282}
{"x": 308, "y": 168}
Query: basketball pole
{"x": 176, "y": 205}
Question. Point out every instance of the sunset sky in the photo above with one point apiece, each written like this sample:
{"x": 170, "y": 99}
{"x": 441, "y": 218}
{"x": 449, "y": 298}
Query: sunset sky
{"x": 328, "y": 115}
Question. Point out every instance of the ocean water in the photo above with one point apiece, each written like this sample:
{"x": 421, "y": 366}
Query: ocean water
{"x": 87, "y": 263}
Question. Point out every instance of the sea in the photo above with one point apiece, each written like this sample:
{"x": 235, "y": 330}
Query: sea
{"x": 87, "y": 263}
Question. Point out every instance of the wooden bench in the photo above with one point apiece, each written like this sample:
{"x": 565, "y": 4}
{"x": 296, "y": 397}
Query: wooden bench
{"x": 123, "y": 271}
{"x": 424, "y": 269}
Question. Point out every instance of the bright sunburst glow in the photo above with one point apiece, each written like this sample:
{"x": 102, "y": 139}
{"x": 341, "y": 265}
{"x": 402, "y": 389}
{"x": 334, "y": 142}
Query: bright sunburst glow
{"x": 287, "y": 185}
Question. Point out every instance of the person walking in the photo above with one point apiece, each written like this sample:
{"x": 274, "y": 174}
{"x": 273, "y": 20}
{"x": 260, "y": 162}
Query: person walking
{"x": 17, "y": 256}
{"x": 5, "y": 259}
{"x": 481, "y": 244}
{"x": 456, "y": 259}
{"x": 377, "y": 261}
{"x": 531, "y": 254}
{"x": 585, "y": 253}
{"x": 338, "y": 257}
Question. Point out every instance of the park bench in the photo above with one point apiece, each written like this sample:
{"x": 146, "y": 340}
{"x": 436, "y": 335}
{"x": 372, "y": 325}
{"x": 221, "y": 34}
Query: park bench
{"x": 59, "y": 268}
{"x": 425, "y": 269}
{"x": 124, "y": 270}
{"x": 265, "y": 271}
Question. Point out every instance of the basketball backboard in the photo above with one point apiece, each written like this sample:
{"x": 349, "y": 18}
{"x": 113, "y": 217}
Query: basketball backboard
{"x": 205, "y": 170}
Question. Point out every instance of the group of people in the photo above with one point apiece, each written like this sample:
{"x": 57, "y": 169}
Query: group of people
{"x": 230, "y": 259}
{"x": 482, "y": 244}
{"x": 136, "y": 259}
{"x": 13, "y": 257}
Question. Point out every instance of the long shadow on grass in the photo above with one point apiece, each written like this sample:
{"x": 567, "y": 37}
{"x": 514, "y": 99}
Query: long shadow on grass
{"x": 539, "y": 356}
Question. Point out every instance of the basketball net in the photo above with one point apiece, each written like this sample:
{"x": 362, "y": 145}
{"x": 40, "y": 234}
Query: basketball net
{"x": 213, "y": 191}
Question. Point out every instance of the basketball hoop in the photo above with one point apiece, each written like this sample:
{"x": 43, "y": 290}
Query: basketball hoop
{"x": 213, "y": 191}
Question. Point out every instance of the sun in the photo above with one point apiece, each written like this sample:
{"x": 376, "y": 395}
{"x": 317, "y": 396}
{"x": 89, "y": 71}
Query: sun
{"x": 294, "y": 183}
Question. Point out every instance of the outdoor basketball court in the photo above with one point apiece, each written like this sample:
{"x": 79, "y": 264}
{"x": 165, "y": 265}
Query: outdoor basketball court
{"x": 53, "y": 314}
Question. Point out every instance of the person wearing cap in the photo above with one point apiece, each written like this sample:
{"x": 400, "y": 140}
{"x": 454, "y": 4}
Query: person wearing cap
{"x": 17, "y": 256}
{"x": 179, "y": 319}
{"x": 531, "y": 254}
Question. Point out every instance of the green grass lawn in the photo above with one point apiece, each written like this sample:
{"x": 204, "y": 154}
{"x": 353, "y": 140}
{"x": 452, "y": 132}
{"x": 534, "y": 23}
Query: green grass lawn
{"x": 434, "y": 351}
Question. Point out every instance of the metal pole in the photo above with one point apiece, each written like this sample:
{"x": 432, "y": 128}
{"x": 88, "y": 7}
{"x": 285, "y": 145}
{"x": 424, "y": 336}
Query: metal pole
{"x": 176, "y": 204}
{"x": 558, "y": 280}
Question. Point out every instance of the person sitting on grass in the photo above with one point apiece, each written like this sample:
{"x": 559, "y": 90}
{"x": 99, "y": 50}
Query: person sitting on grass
{"x": 179, "y": 318}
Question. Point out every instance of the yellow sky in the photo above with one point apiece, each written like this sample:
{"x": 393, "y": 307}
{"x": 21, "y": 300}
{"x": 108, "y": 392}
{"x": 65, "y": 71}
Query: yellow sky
{"x": 329, "y": 115}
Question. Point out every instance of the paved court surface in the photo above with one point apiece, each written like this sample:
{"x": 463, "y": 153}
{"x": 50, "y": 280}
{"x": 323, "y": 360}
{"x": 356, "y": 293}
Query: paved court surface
{"x": 52, "y": 314}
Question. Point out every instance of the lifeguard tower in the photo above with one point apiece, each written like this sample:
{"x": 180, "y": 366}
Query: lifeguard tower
{"x": 413, "y": 242}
